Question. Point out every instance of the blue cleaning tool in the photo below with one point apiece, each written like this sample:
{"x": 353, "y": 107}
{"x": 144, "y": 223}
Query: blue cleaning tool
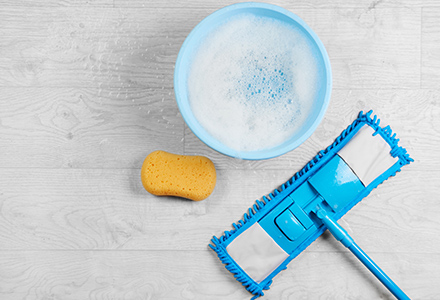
{"x": 278, "y": 228}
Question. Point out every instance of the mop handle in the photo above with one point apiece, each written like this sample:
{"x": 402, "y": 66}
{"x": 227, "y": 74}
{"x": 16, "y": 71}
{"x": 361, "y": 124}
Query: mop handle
{"x": 341, "y": 235}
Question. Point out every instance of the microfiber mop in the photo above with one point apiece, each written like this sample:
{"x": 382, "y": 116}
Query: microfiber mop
{"x": 278, "y": 228}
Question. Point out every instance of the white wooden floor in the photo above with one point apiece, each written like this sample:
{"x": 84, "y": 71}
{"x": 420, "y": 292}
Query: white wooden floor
{"x": 87, "y": 92}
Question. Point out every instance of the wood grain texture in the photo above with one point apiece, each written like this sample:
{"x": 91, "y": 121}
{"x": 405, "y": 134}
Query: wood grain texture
{"x": 115, "y": 275}
{"x": 316, "y": 4}
{"x": 131, "y": 47}
{"x": 87, "y": 93}
{"x": 154, "y": 275}
{"x": 86, "y": 128}
{"x": 57, "y": 3}
{"x": 109, "y": 209}
{"x": 430, "y": 49}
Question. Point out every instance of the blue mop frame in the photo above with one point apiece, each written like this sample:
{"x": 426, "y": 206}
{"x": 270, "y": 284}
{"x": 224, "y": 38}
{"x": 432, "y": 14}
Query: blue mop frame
{"x": 260, "y": 208}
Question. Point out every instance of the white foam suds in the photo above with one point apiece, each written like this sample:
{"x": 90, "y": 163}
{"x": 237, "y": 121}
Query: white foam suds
{"x": 252, "y": 82}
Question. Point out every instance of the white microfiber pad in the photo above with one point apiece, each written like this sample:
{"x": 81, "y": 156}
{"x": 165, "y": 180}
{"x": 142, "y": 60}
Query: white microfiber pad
{"x": 256, "y": 253}
{"x": 367, "y": 155}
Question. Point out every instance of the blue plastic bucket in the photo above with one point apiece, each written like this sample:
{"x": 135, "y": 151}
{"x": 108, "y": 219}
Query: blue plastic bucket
{"x": 210, "y": 23}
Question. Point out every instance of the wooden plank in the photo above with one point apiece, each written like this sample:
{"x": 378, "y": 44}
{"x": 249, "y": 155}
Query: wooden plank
{"x": 91, "y": 47}
{"x": 378, "y": 48}
{"x": 117, "y": 128}
{"x": 341, "y": 276}
{"x": 97, "y": 47}
{"x": 98, "y": 62}
{"x": 367, "y": 5}
{"x": 91, "y": 22}
{"x": 192, "y": 274}
{"x": 430, "y": 47}
{"x": 86, "y": 128}
{"x": 109, "y": 209}
{"x": 56, "y": 3}
{"x": 115, "y": 275}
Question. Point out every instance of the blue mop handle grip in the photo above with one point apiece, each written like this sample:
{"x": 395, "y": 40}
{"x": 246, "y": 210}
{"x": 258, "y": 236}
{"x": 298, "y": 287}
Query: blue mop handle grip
{"x": 341, "y": 235}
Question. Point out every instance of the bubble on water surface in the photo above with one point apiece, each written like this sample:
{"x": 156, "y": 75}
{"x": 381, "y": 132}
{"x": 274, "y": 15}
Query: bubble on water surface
{"x": 252, "y": 82}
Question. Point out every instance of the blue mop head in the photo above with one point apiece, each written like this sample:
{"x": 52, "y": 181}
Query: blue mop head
{"x": 278, "y": 228}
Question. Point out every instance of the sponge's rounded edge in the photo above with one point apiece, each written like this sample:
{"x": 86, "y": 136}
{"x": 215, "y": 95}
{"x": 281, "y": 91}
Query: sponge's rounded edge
{"x": 187, "y": 176}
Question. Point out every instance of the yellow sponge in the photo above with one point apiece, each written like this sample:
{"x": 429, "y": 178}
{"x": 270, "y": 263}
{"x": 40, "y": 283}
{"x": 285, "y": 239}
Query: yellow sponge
{"x": 186, "y": 176}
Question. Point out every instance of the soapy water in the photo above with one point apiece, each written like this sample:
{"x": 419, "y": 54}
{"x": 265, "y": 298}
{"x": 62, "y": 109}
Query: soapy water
{"x": 253, "y": 82}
